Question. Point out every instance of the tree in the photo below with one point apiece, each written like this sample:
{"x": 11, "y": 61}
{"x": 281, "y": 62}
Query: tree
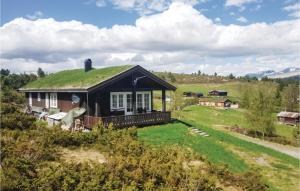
{"x": 171, "y": 77}
{"x": 40, "y": 73}
{"x": 215, "y": 74}
{"x": 261, "y": 106}
{"x": 231, "y": 76}
{"x": 5, "y": 72}
{"x": 290, "y": 96}
{"x": 199, "y": 72}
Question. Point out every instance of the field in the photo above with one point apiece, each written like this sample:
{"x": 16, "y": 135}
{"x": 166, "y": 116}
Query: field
{"x": 279, "y": 170}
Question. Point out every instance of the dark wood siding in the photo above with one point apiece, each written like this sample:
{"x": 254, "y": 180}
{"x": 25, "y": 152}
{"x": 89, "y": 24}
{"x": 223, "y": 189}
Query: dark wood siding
{"x": 64, "y": 101}
{"x": 35, "y": 101}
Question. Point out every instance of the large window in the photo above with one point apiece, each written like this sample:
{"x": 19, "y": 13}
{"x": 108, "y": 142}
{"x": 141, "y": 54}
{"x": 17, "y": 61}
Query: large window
{"x": 53, "y": 100}
{"x": 123, "y": 100}
{"x": 143, "y": 100}
{"x": 117, "y": 100}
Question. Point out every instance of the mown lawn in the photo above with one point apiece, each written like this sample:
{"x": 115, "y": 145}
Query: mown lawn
{"x": 279, "y": 170}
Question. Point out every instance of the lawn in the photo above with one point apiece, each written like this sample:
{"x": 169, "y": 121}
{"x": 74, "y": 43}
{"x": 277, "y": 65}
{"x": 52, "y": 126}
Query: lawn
{"x": 212, "y": 117}
{"x": 280, "y": 171}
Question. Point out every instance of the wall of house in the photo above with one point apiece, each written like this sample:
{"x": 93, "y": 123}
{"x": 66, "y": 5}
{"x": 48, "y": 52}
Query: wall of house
{"x": 64, "y": 100}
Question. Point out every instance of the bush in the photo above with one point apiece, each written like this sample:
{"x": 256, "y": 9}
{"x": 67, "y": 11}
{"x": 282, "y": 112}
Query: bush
{"x": 67, "y": 138}
{"x": 17, "y": 121}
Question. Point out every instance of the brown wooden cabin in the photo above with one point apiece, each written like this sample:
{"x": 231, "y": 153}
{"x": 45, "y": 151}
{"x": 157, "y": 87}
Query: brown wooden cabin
{"x": 123, "y": 99}
{"x": 215, "y": 102}
{"x": 289, "y": 118}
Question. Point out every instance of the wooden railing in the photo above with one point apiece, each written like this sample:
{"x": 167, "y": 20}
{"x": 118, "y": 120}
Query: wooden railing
{"x": 129, "y": 120}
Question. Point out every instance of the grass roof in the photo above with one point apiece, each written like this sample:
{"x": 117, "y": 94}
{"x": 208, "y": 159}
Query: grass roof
{"x": 77, "y": 78}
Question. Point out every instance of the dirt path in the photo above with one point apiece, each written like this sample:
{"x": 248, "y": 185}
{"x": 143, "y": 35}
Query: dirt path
{"x": 286, "y": 149}
{"x": 82, "y": 155}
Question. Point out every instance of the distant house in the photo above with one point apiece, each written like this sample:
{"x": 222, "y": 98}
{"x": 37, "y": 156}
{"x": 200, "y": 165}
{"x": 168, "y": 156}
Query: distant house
{"x": 215, "y": 102}
{"x": 122, "y": 95}
{"x": 192, "y": 94}
{"x": 290, "y": 118}
{"x": 217, "y": 93}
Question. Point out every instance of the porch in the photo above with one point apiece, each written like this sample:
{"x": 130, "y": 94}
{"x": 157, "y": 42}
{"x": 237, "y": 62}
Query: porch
{"x": 121, "y": 121}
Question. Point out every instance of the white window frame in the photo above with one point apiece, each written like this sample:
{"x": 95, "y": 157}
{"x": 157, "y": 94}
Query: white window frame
{"x": 117, "y": 94}
{"x": 53, "y": 102}
{"x": 143, "y": 99}
{"x": 38, "y": 96}
{"x": 47, "y": 100}
{"x": 30, "y": 99}
{"x": 120, "y": 108}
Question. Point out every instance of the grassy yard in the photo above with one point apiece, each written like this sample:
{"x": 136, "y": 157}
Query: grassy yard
{"x": 212, "y": 117}
{"x": 279, "y": 170}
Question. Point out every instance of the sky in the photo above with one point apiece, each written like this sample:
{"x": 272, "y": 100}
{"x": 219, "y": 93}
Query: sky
{"x": 184, "y": 36}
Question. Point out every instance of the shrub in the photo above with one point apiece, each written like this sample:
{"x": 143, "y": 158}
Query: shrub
{"x": 17, "y": 121}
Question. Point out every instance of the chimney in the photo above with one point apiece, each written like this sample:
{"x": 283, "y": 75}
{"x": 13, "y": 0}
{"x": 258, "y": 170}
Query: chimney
{"x": 87, "y": 65}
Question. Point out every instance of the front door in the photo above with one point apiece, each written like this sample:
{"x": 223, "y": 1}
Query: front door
{"x": 128, "y": 104}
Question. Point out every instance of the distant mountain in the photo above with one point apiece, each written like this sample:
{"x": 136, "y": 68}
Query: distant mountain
{"x": 286, "y": 73}
{"x": 261, "y": 74}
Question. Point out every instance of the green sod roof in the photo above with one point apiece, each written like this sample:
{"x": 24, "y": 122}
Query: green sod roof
{"x": 77, "y": 78}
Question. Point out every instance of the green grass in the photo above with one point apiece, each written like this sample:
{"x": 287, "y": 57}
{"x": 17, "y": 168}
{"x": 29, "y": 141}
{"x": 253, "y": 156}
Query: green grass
{"x": 209, "y": 116}
{"x": 77, "y": 78}
{"x": 178, "y": 133}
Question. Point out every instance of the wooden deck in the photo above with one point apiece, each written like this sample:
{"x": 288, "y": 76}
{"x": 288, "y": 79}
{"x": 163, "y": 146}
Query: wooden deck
{"x": 129, "y": 120}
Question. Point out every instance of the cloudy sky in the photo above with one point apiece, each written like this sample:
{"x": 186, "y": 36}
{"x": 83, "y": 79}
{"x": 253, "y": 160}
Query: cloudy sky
{"x": 223, "y": 36}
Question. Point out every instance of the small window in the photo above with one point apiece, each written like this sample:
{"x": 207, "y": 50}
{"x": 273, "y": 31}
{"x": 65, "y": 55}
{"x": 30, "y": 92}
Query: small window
{"x": 53, "y": 100}
{"x": 30, "y": 99}
{"x": 121, "y": 101}
{"x": 39, "y": 96}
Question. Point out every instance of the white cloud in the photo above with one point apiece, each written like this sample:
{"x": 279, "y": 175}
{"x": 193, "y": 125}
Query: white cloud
{"x": 178, "y": 39}
{"x": 100, "y": 3}
{"x": 217, "y": 19}
{"x": 242, "y": 19}
{"x": 232, "y": 13}
{"x": 238, "y": 3}
{"x": 294, "y": 10}
{"x": 145, "y": 7}
{"x": 35, "y": 15}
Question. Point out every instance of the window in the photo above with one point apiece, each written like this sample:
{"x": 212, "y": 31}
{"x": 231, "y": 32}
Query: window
{"x": 114, "y": 101}
{"x": 139, "y": 100}
{"x": 53, "y": 100}
{"x": 47, "y": 100}
{"x": 121, "y": 104}
{"x": 30, "y": 99}
{"x": 39, "y": 96}
{"x": 147, "y": 101}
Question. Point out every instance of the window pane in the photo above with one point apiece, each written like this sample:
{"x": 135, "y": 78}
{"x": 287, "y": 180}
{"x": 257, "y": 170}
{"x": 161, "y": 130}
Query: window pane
{"x": 139, "y": 101}
{"x": 120, "y": 100}
{"x": 147, "y": 101}
{"x": 129, "y": 103}
{"x": 114, "y": 101}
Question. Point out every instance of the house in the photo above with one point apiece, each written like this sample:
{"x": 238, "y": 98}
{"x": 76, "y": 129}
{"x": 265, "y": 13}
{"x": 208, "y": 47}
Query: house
{"x": 122, "y": 95}
{"x": 217, "y": 93}
{"x": 215, "y": 102}
{"x": 290, "y": 118}
{"x": 192, "y": 94}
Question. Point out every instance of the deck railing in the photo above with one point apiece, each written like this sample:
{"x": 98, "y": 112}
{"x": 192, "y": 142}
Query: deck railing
{"x": 129, "y": 120}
